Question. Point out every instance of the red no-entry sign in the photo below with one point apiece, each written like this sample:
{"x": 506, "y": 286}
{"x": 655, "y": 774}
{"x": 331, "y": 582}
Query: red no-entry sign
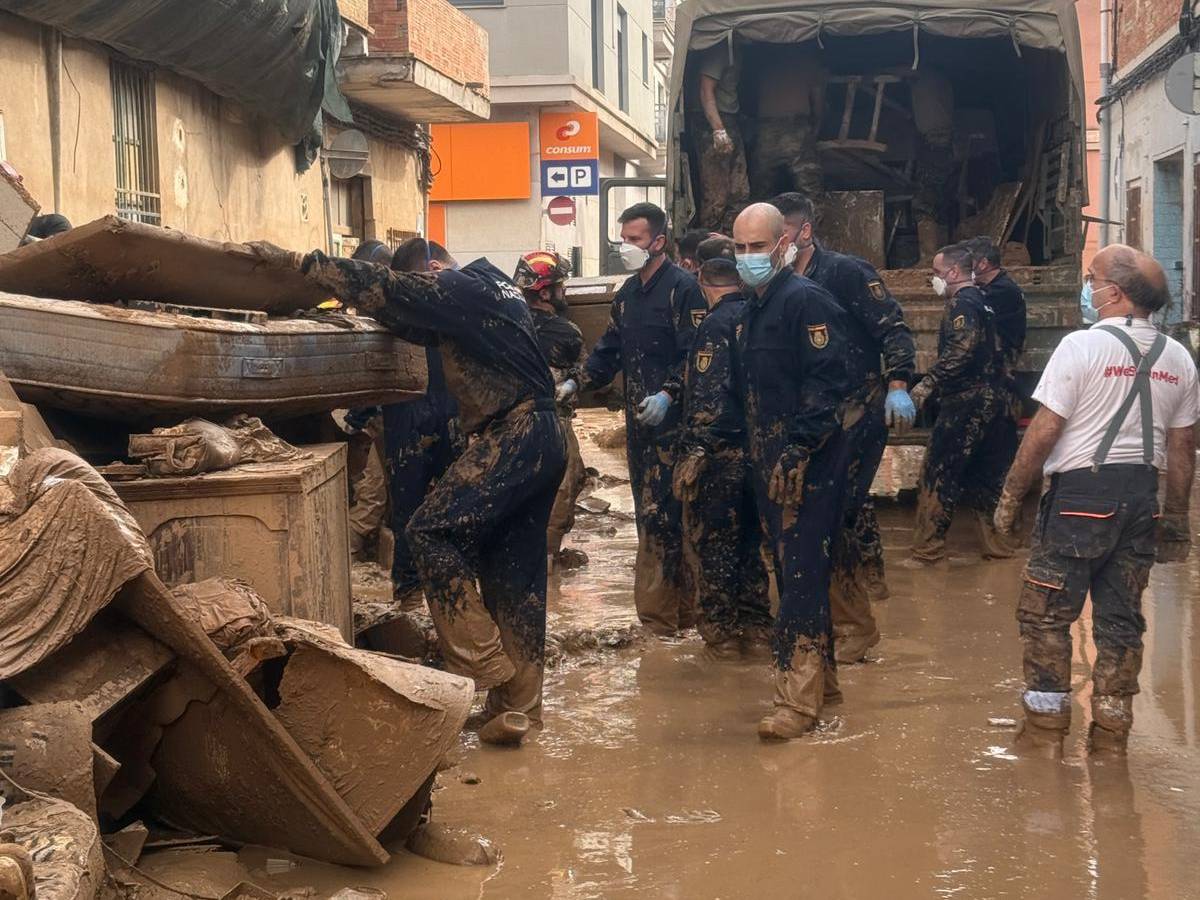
{"x": 561, "y": 210}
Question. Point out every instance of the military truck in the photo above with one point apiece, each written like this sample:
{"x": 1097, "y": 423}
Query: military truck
{"x": 1005, "y": 79}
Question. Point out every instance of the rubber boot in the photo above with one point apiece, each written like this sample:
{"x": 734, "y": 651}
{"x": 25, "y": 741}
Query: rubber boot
{"x": 505, "y": 730}
{"x": 799, "y": 695}
{"x": 1112, "y": 717}
{"x": 850, "y": 649}
{"x": 930, "y": 238}
{"x": 756, "y": 641}
{"x": 995, "y": 545}
{"x": 1041, "y": 733}
{"x": 832, "y": 691}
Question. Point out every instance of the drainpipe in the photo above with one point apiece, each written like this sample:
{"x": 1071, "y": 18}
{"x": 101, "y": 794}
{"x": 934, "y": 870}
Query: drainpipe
{"x": 54, "y": 90}
{"x": 1106, "y": 10}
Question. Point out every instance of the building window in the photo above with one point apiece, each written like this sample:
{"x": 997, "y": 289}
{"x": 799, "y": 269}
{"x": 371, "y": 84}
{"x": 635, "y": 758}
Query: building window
{"x": 598, "y": 44}
{"x": 470, "y": 3}
{"x": 135, "y": 139}
{"x": 645, "y": 59}
{"x": 622, "y": 59}
{"x": 1133, "y": 215}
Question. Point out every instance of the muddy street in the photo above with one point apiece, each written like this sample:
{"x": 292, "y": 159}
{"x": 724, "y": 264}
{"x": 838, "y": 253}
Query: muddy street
{"x": 649, "y": 779}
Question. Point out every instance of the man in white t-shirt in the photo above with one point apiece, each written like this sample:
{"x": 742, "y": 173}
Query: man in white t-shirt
{"x": 1118, "y": 404}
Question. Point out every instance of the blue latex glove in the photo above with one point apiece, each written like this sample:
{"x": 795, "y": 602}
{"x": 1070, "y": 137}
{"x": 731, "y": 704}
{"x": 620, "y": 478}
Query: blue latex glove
{"x": 566, "y": 390}
{"x": 898, "y": 410}
{"x": 653, "y": 409}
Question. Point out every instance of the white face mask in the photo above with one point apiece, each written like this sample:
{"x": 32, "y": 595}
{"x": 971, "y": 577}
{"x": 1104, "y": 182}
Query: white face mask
{"x": 633, "y": 257}
{"x": 789, "y": 256}
{"x": 939, "y": 285}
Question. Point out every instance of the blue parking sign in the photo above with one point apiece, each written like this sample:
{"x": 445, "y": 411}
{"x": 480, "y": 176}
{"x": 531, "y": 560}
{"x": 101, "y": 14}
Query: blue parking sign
{"x": 570, "y": 178}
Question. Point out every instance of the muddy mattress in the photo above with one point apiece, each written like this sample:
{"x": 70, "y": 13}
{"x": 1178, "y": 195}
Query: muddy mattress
{"x": 135, "y": 365}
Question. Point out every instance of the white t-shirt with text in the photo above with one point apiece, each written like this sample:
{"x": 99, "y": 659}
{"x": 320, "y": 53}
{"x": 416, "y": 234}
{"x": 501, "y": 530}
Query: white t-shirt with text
{"x": 1087, "y": 379}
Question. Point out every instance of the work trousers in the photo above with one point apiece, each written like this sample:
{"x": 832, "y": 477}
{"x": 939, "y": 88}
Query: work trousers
{"x": 662, "y": 589}
{"x": 801, "y": 540}
{"x": 970, "y": 451}
{"x": 420, "y": 445}
{"x": 1094, "y": 534}
{"x": 724, "y": 184}
{"x": 562, "y": 516}
{"x": 858, "y": 544}
{"x": 479, "y": 540}
{"x": 785, "y": 158}
{"x": 724, "y": 533}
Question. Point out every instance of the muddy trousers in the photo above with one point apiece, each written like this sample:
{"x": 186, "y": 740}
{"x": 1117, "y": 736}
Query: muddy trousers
{"x": 725, "y": 539}
{"x": 562, "y": 516}
{"x": 370, "y": 503}
{"x": 724, "y": 184}
{"x": 785, "y": 158}
{"x": 801, "y": 543}
{"x": 420, "y": 447}
{"x": 970, "y": 450}
{"x": 479, "y": 541}
{"x": 858, "y": 545}
{"x": 1095, "y": 534}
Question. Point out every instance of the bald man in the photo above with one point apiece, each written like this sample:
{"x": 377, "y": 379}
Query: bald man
{"x": 790, "y": 364}
{"x": 1119, "y": 402}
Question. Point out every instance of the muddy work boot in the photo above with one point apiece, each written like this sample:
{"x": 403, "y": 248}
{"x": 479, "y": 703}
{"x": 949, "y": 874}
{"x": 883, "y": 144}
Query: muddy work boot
{"x": 850, "y": 649}
{"x": 1045, "y": 726}
{"x": 799, "y": 695}
{"x": 1112, "y": 717}
{"x": 505, "y": 730}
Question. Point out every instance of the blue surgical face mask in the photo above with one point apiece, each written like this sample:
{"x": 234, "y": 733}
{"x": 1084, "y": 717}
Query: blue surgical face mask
{"x": 1085, "y": 304}
{"x": 756, "y": 268}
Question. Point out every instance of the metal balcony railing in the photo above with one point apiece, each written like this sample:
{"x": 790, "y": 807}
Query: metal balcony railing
{"x": 664, "y": 11}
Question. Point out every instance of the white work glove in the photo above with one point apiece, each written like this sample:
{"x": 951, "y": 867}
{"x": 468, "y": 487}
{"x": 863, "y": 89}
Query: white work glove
{"x": 565, "y": 391}
{"x": 722, "y": 142}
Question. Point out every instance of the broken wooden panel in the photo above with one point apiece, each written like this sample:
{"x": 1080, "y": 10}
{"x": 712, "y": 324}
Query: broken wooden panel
{"x": 852, "y": 222}
{"x": 47, "y": 748}
{"x": 114, "y": 259}
{"x": 147, "y": 367}
{"x": 17, "y": 209}
{"x": 308, "y": 815}
{"x": 378, "y": 750}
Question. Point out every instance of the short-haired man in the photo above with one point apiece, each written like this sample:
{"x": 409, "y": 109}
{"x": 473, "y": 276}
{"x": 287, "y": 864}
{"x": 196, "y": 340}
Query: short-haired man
{"x": 542, "y": 277}
{"x": 687, "y": 250}
{"x": 1119, "y": 402}
{"x": 879, "y": 399}
{"x": 1004, "y": 296}
{"x": 712, "y": 475}
{"x": 791, "y": 367}
{"x": 971, "y": 445}
{"x": 653, "y": 320}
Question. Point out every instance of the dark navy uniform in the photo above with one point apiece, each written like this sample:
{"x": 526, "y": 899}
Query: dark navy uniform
{"x": 973, "y": 442}
{"x": 1007, "y": 301}
{"x": 562, "y": 344}
{"x": 649, "y": 334}
{"x": 721, "y": 523}
{"x": 479, "y": 536}
{"x": 881, "y": 350}
{"x": 791, "y": 369}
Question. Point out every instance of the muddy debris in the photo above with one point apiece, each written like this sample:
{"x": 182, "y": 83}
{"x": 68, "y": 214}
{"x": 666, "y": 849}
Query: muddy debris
{"x": 455, "y": 846}
{"x": 580, "y": 641}
{"x": 610, "y": 438}
{"x": 469, "y": 778}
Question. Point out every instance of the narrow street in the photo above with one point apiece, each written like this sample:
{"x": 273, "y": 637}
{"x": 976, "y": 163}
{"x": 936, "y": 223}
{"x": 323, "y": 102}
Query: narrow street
{"x": 649, "y": 779}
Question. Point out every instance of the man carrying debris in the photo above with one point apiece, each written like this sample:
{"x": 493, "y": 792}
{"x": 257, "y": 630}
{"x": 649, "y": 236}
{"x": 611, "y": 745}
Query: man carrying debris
{"x": 876, "y": 330}
{"x": 654, "y": 318}
{"x": 971, "y": 445}
{"x": 479, "y": 537}
{"x": 542, "y": 276}
{"x": 790, "y": 364}
{"x": 712, "y": 476}
{"x": 713, "y": 107}
{"x": 1119, "y": 405}
{"x": 791, "y": 102}
{"x": 422, "y": 436}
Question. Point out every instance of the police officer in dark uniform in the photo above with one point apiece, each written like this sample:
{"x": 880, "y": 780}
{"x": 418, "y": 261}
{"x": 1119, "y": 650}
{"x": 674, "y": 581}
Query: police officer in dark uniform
{"x": 1004, "y": 296}
{"x": 880, "y": 399}
{"x": 654, "y": 318}
{"x": 479, "y": 537}
{"x": 971, "y": 445}
{"x": 791, "y": 368}
{"x": 421, "y": 436}
{"x": 712, "y": 474}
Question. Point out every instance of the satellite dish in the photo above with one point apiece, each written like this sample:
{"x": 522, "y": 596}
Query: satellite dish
{"x": 348, "y": 154}
{"x": 1183, "y": 83}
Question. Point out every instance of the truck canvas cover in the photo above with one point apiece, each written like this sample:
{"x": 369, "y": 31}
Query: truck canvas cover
{"x": 1039, "y": 24}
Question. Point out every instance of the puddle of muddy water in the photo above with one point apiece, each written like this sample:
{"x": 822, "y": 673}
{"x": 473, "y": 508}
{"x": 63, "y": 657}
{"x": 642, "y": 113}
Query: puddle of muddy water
{"x": 649, "y": 780}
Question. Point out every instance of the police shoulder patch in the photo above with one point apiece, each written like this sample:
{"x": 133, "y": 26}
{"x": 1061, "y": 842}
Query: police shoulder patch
{"x": 878, "y": 291}
{"x": 818, "y": 336}
{"x": 960, "y": 322}
{"x": 698, "y": 317}
{"x": 704, "y": 359}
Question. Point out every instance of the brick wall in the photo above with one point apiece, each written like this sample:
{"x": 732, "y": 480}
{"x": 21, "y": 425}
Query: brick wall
{"x": 434, "y": 32}
{"x": 1140, "y": 23}
{"x": 355, "y": 12}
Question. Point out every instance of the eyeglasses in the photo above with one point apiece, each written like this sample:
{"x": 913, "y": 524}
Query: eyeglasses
{"x": 1091, "y": 280}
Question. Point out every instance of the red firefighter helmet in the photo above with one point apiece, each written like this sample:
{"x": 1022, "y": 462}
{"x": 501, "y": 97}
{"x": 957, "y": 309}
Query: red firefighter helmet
{"x": 540, "y": 269}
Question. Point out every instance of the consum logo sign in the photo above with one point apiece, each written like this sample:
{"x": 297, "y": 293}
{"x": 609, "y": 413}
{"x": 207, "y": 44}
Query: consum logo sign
{"x": 573, "y": 135}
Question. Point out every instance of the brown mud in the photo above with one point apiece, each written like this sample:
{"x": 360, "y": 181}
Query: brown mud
{"x": 649, "y": 780}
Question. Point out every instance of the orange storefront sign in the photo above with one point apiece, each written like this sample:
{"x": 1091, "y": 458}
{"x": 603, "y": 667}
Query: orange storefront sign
{"x": 573, "y": 135}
